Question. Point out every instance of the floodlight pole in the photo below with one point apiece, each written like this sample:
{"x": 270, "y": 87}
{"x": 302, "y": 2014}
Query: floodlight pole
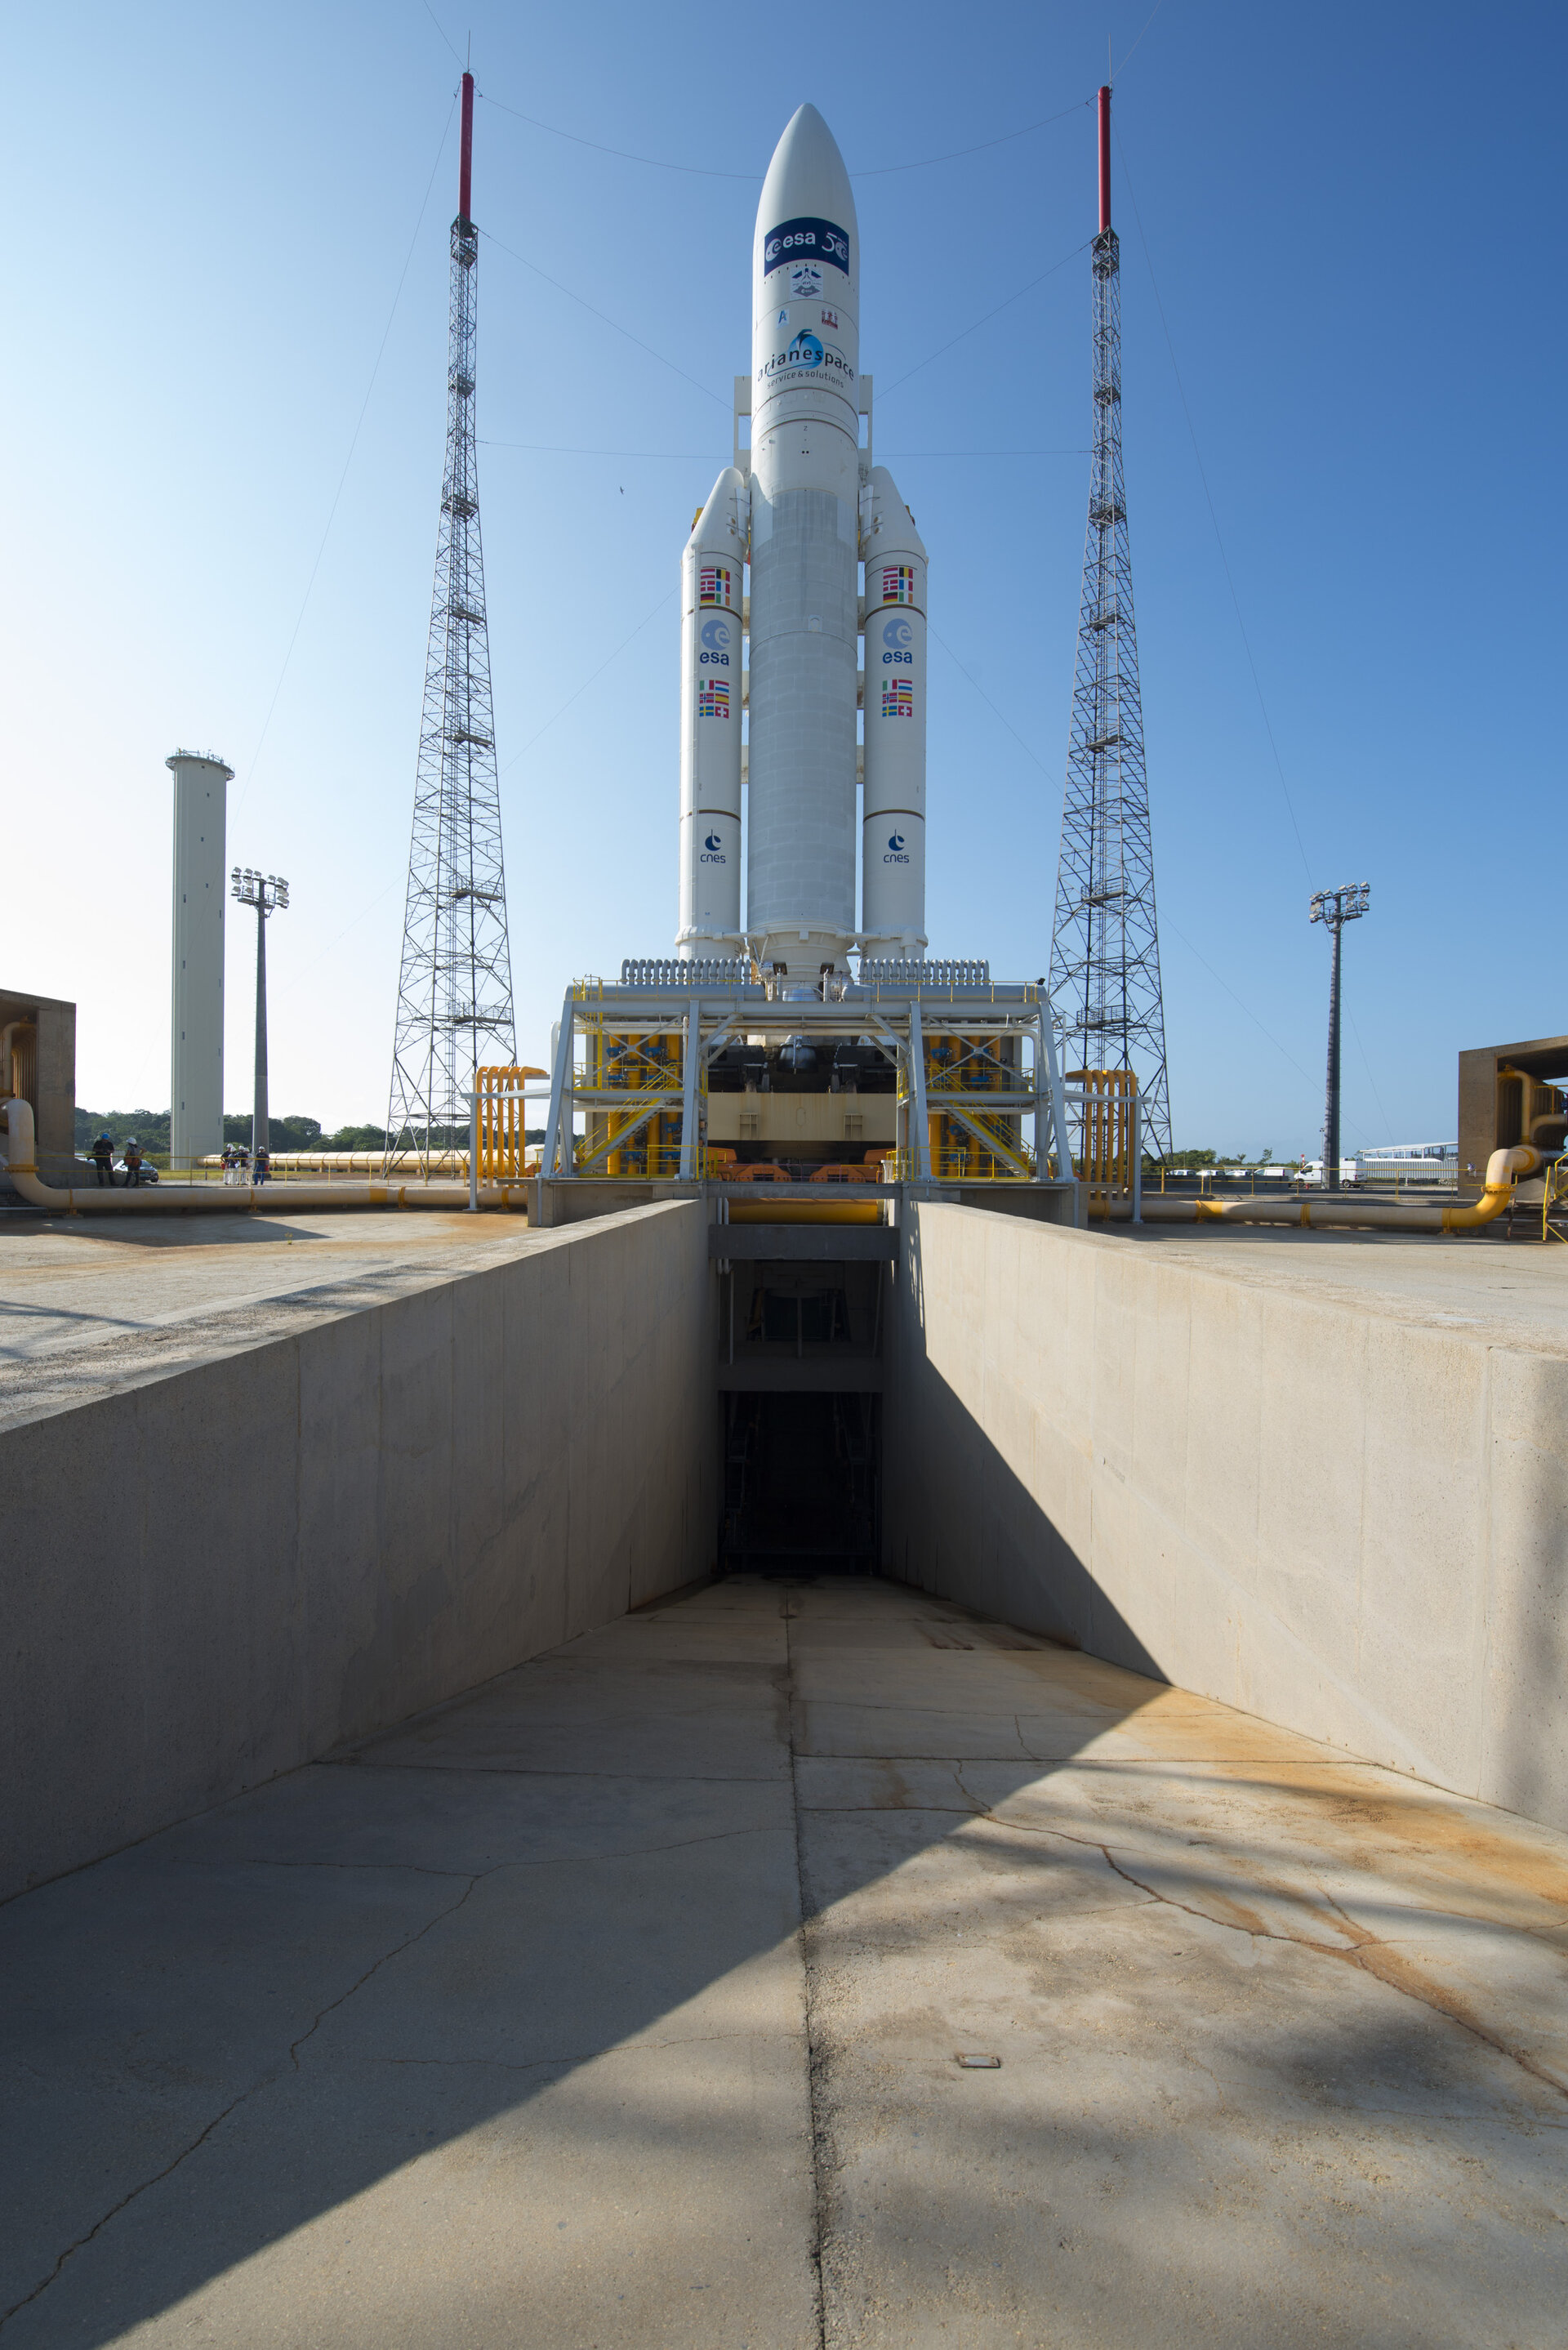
{"x": 267, "y": 893}
{"x": 260, "y": 1131}
{"x": 1336, "y": 907}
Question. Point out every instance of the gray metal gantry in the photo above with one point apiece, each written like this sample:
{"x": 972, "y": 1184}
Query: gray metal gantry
{"x": 1104, "y": 946}
{"x": 454, "y": 987}
{"x": 700, "y": 1016}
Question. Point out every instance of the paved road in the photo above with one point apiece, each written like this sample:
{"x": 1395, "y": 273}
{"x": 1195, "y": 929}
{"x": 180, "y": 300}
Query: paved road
{"x": 505, "y": 2030}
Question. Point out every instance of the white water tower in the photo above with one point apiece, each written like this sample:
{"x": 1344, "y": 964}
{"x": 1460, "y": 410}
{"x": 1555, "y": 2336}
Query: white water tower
{"x": 196, "y": 1030}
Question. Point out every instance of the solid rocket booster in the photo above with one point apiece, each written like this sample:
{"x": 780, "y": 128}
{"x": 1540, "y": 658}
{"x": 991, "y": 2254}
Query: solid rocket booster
{"x": 712, "y": 587}
{"x": 809, "y": 511}
{"x": 893, "y": 833}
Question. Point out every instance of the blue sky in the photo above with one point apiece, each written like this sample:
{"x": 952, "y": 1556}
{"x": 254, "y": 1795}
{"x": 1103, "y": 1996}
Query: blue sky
{"x": 1344, "y": 344}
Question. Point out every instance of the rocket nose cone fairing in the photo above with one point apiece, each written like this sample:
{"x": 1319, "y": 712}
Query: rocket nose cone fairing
{"x": 806, "y": 292}
{"x": 807, "y": 160}
{"x": 807, "y": 185}
{"x": 805, "y": 550}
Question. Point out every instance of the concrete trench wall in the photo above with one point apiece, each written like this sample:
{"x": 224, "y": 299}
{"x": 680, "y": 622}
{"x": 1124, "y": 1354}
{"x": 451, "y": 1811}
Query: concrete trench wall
{"x": 215, "y": 1577}
{"x": 1353, "y": 1525}
{"x": 1350, "y": 1525}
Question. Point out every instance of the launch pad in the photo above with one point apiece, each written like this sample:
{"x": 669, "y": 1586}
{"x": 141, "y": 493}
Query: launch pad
{"x": 743, "y": 1914}
{"x": 691, "y": 1071}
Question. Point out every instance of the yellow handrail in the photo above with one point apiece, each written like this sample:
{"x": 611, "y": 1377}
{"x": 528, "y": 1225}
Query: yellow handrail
{"x": 502, "y": 1122}
{"x": 1555, "y": 1192}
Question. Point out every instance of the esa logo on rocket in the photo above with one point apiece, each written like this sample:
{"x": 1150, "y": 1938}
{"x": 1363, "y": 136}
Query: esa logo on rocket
{"x": 715, "y": 652}
{"x": 801, "y": 242}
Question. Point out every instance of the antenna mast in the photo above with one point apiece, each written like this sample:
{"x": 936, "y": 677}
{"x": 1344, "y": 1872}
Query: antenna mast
{"x": 455, "y": 992}
{"x": 1105, "y": 945}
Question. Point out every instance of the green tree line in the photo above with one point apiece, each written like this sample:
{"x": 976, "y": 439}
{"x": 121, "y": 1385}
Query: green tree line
{"x": 151, "y": 1128}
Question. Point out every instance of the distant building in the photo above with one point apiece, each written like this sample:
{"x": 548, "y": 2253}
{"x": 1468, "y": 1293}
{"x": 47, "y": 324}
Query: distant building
{"x": 38, "y": 1062}
{"x": 1509, "y": 1094}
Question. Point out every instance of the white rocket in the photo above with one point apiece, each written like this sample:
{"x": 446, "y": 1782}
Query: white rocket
{"x": 805, "y": 507}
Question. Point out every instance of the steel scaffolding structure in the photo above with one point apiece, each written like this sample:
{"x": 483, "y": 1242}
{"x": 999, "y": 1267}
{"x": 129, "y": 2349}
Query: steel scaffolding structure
{"x": 1104, "y": 944}
{"x": 454, "y": 990}
{"x": 981, "y": 1055}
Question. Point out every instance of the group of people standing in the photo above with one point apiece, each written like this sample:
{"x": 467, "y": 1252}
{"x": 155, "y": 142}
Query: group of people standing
{"x": 133, "y": 1170}
{"x": 237, "y": 1168}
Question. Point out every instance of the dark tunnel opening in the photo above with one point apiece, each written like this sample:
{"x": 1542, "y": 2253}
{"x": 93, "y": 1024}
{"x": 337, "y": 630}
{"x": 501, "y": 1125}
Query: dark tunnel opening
{"x": 802, "y": 1484}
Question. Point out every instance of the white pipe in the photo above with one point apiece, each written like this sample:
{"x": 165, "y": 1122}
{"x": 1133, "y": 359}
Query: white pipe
{"x": 223, "y": 1199}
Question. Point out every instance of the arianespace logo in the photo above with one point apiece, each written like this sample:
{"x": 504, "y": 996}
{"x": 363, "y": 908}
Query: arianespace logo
{"x": 809, "y": 355}
{"x": 896, "y": 854}
{"x": 712, "y": 846}
{"x": 800, "y": 241}
{"x": 715, "y": 647}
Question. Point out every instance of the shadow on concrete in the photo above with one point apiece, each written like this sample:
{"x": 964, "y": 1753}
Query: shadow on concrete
{"x": 529, "y": 1967}
{"x": 193, "y": 1228}
{"x": 250, "y": 2019}
{"x": 976, "y": 1527}
{"x": 1006, "y": 1553}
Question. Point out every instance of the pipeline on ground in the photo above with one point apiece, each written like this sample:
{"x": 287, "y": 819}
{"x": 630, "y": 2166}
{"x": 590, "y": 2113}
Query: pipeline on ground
{"x": 1503, "y": 1170}
{"x": 223, "y": 1199}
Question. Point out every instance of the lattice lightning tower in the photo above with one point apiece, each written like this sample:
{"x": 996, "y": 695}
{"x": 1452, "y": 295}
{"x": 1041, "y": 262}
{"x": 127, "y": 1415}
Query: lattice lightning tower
{"x": 1105, "y": 945}
{"x": 454, "y": 993}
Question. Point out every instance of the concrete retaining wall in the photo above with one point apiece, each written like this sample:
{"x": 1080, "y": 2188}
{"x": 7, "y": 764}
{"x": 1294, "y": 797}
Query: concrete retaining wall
{"x": 1349, "y": 1523}
{"x": 214, "y": 1577}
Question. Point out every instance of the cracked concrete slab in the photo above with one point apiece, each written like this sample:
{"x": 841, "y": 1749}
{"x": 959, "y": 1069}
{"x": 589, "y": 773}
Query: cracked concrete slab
{"x": 569, "y": 1711}
{"x": 507, "y": 2028}
{"x": 145, "y": 2000}
{"x": 472, "y": 1821}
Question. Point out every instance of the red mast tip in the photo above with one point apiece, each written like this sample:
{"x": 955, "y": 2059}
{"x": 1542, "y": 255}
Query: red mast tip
{"x": 465, "y": 166}
{"x": 1104, "y": 157}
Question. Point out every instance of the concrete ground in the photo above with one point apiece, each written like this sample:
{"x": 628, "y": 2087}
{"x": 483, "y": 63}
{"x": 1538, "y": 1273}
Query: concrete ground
{"x": 504, "y": 2029}
{"x": 1512, "y": 1292}
{"x": 87, "y": 1308}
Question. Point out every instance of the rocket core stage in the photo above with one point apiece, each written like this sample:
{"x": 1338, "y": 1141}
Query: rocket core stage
{"x": 804, "y": 506}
